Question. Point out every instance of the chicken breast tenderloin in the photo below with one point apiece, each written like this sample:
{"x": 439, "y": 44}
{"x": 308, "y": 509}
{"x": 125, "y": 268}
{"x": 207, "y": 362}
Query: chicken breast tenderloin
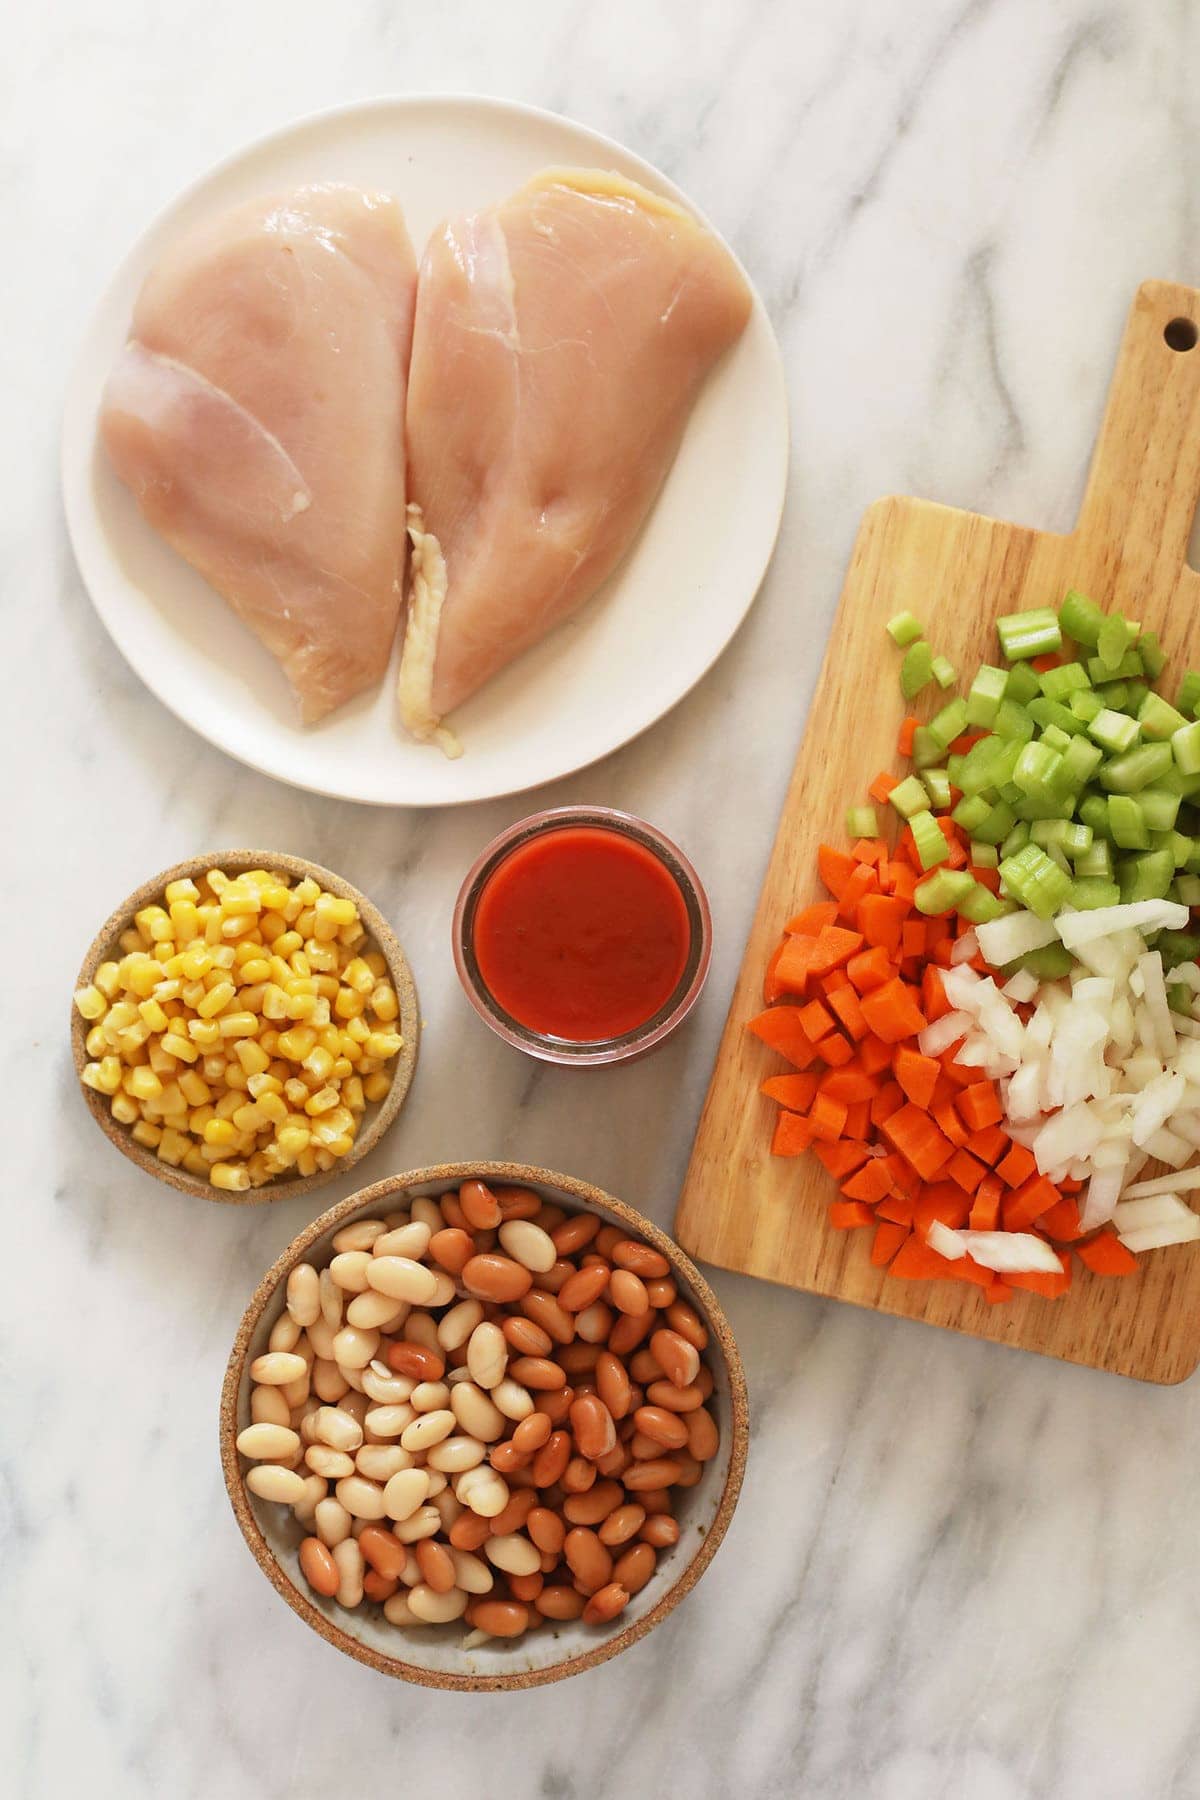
{"x": 560, "y": 341}
{"x": 257, "y": 414}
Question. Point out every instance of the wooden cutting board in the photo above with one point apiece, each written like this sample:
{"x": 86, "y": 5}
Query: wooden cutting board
{"x": 747, "y": 1210}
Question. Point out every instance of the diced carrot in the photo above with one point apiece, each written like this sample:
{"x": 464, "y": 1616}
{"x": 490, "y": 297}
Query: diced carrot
{"x": 892, "y": 1011}
{"x": 780, "y": 1027}
{"x": 845, "y": 1215}
{"x": 871, "y": 1183}
{"x": 941, "y": 954}
{"x": 849, "y": 1085}
{"x": 771, "y": 989}
{"x": 897, "y": 1209}
{"x": 1026, "y": 1204}
{"x": 835, "y": 1050}
{"x": 915, "y": 1261}
{"x": 841, "y": 1159}
{"x": 880, "y": 918}
{"x": 816, "y": 1021}
{"x": 835, "y": 868}
{"x": 937, "y": 930}
{"x": 1068, "y": 1184}
{"x": 985, "y": 1208}
{"x": 980, "y": 1106}
{"x": 887, "y": 1101}
{"x": 915, "y": 1135}
{"x": 835, "y": 945}
{"x": 904, "y": 1177}
{"x": 904, "y": 881}
{"x": 792, "y": 1136}
{"x": 997, "y": 1292}
{"x": 865, "y": 880}
{"x": 989, "y": 1144}
{"x": 858, "y": 1119}
{"x": 808, "y": 922}
{"x": 1017, "y": 1166}
{"x": 934, "y": 1003}
{"x": 1050, "y": 660}
{"x": 833, "y": 983}
{"x": 1050, "y": 1287}
{"x": 793, "y": 1091}
{"x": 887, "y": 1240}
{"x": 904, "y": 742}
{"x": 1061, "y": 1221}
{"x": 964, "y": 1169}
{"x": 793, "y": 965}
{"x": 947, "y": 1121}
{"x": 912, "y": 937}
{"x": 874, "y": 1054}
{"x": 916, "y": 1074}
{"x": 1107, "y": 1255}
{"x": 957, "y": 1072}
{"x": 844, "y": 1002}
{"x": 942, "y": 1201}
{"x": 828, "y": 1118}
{"x": 882, "y": 786}
{"x": 869, "y": 969}
{"x": 868, "y": 850}
{"x": 960, "y": 745}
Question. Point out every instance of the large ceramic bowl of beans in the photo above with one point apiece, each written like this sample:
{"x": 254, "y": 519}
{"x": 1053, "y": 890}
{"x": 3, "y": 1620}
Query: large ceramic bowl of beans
{"x": 483, "y": 1426}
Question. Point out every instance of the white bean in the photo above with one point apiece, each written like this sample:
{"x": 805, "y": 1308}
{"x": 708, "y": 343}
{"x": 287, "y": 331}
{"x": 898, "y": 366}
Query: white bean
{"x": 285, "y": 1333}
{"x": 402, "y": 1278}
{"x": 315, "y": 1490}
{"x": 380, "y": 1384}
{"x": 321, "y": 1335}
{"x": 436, "y": 1609}
{"x": 331, "y": 1300}
{"x": 277, "y": 1368}
{"x": 332, "y": 1522}
{"x": 448, "y": 1504}
{"x": 529, "y": 1245}
{"x": 270, "y": 1482}
{"x": 371, "y": 1311}
{"x": 419, "y": 1328}
{"x": 297, "y": 1392}
{"x": 481, "y": 1489}
{"x": 427, "y": 1430}
{"x": 425, "y": 1522}
{"x": 268, "y": 1443}
{"x": 354, "y": 1404}
{"x": 394, "y": 1220}
{"x": 379, "y": 1462}
{"x": 471, "y": 1573}
{"x": 405, "y": 1492}
{"x": 410, "y": 1574}
{"x": 410, "y": 1240}
{"x": 332, "y": 1464}
{"x": 475, "y": 1412}
{"x": 487, "y": 1355}
{"x": 349, "y": 1271}
{"x": 513, "y": 1553}
{"x": 437, "y": 1483}
{"x": 454, "y": 1454}
{"x": 444, "y": 1289}
{"x": 304, "y": 1294}
{"x": 397, "y": 1611}
{"x": 268, "y": 1407}
{"x": 338, "y": 1428}
{"x": 429, "y": 1396}
{"x": 455, "y": 1327}
{"x": 328, "y": 1381}
{"x": 360, "y": 1234}
{"x": 361, "y": 1498}
{"x": 390, "y": 1421}
{"x": 351, "y": 1569}
{"x": 353, "y": 1349}
{"x": 594, "y": 1323}
{"x": 427, "y": 1211}
{"x": 351, "y": 1377}
{"x": 514, "y": 1401}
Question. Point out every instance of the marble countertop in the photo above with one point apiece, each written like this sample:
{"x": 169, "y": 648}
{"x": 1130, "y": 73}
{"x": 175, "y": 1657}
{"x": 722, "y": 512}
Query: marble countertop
{"x": 956, "y": 1571}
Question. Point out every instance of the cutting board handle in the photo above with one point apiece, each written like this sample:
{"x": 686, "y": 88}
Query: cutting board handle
{"x": 1144, "y": 483}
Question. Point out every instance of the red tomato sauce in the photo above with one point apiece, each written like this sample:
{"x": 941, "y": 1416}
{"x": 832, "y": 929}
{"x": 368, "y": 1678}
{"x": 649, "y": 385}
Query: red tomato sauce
{"x": 581, "y": 934}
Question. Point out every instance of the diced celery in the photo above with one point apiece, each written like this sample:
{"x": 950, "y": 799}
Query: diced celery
{"x": 1086, "y": 703}
{"x": 1115, "y": 694}
{"x": 1050, "y": 963}
{"x": 980, "y": 905}
{"x": 1038, "y": 769}
{"x": 1127, "y": 668}
{"x": 1087, "y": 893}
{"x": 909, "y": 797}
{"x": 943, "y": 891}
{"x": 1160, "y": 808}
{"x": 1022, "y": 684}
{"x": 950, "y": 723}
{"x": 1158, "y": 718}
{"x": 1177, "y": 947}
{"x": 916, "y": 671}
{"x": 1072, "y": 839}
{"x": 904, "y": 630}
{"x": 1153, "y": 657}
{"x": 1013, "y": 721}
{"x": 937, "y": 782}
{"x": 1053, "y": 713}
{"x": 983, "y": 856}
{"x": 862, "y": 822}
{"x": 1081, "y": 759}
{"x": 1135, "y": 694}
{"x": 1136, "y": 769}
{"x": 1081, "y": 619}
{"x": 929, "y": 839}
{"x": 1126, "y": 823}
{"x": 1113, "y": 731}
{"x": 944, "y": 672}
{"x": 1016, "y": 840}
{"x": 925, "y": 748}
{"x": 971, "y": 811}
{"x": 1189, "y": 889}
{"x": 1027, "y": 634}
{"x": 1096, "y": 863}
{"x": 996, "y": 826}
{"x": 1180, "y": 997}
{"x": 1063, "y": 680}
{"x": 1043, "y": 806}
{"x": 1116, "y": 636}
{"x": 1036, "y": 881}
{"x": 1185, "y": 747}
{"x": 1093, "y": 810}
{"x": 1146, "y": 877}
{"x": 1057, "y": 740}
{"x": 1177, "y": 845}
{"x": 987, "y": 691}
{"x": 975, "y": 772}
{"x": 1188, "y": 697}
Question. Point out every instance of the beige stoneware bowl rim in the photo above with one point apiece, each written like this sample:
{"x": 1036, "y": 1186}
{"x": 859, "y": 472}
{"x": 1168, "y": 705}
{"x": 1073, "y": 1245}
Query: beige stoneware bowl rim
{"x": 382, "y": 937}
{"x": 575, "y": 1194}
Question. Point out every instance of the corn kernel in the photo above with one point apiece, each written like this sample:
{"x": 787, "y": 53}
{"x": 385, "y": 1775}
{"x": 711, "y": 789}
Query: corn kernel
{"x": 325, "y": 1159}
{"x": 248, "y": 1117}
{"x": 108, "y": 979}
{"x": 95, "y": 1043}
{"x": 220, "y": 1131}
{"x": 216, "y": 999}
{"x": 237, "y": 926}
{"x": 342, "y": 1068}
{"x": 383, "y": 1044}
{"x": 198, "y": 1118}
{"x": 322, "y": 1101}
{"x": 185, "y": 921}
{"x": 272, "y": 1108}
{"x": 295, "y": 1091}
{"x": 175, "y": 1044}
{"x": 147, "y": 1134}
{"x": 348, "y": 1005}
{"x": 297, "y": 1043}
{"x": 234, "y": 1178}
{"x": 375, "y": 1087}
{"x": 235, "y": 1077}
{"x": 195, "y": 1164}
{"x": 352, "y": 1094}
{"x": 223, "y": 956}
{"x": 252, "y": 1057}
{"x": 306, "y": 1162}
{"x": 124, "y": 1109}
{"x": 287, "y": 943}
{"x": 153, "y": 1014}
{"x": 213, "y": 1067}
{"x": 241, "y": 900}
{"x": 161, "y": 1061}
{"x": 266, "y": 1083}
{"x": 204, "y": 1033}
{"x": 292, "y": 1139}
{"x": 172, "y": 1147}
{"x": 143, "y": 1084}
{"x": 238, "y": 1025}
{"x": 384, "y": 1003}
{"x": 255, "y": 969}
{"x": 217, "y": 880}
{"x": 319, "y": 1062}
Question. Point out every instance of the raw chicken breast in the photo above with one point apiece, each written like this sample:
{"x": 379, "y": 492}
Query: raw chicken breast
{"x": 560, "y": 341}
{"x": 257, "y": 413}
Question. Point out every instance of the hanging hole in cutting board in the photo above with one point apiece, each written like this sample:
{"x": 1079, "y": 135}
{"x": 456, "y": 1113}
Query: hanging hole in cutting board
{"x": 1180, "y": 334}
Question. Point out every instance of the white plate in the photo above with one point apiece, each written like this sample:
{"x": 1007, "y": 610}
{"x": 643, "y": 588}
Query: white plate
{"x": 628, "y": 656}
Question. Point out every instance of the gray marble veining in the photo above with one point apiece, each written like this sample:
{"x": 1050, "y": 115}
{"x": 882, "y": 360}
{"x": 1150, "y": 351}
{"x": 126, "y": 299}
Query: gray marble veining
{"x": 957, "y": 1573}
